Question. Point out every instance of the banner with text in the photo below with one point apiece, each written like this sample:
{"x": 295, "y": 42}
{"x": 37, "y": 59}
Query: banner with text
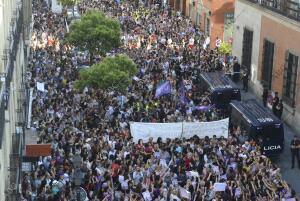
{"x": 144, "y": 131}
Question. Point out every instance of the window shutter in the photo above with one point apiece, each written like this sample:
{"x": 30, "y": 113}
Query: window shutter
{"x": 287, "y": 54}
{"x": 263, "y": 63}
{"x": 286, "y": 64}
{"x": 290, "y": 78}
{"x": 295, "y": 74}
{"x": 284, "y": 91}
{"x": 295, "y": 60}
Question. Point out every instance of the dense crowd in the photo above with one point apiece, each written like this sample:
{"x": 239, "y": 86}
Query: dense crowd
{"x": 95, "y": 125}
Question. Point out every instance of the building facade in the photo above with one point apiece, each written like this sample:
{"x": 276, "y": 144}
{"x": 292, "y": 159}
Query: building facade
{"x": 215, "y": 18}
{"x": 15, "y": 19}
{"x": 267, "y": 43}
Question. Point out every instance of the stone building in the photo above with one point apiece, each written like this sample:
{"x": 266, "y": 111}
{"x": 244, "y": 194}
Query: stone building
{"x": 15, "y": 20}
{"x": 267, "y": 43}
{"x": 214, "y": 17}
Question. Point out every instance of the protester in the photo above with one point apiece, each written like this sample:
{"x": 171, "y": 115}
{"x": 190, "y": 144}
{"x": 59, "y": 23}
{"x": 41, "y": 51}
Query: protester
{"x": 245, "y": 79}
{"x": 279, "y": 109}
{"x": 218, "y": 42}
{"x": 236, "y": 70}
{"x": 94, "y": 124}
{"x": 275, "y": 102}
{"x": 265, "y": 96}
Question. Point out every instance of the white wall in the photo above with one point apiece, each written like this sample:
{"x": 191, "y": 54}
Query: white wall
{"x": 6, "y": 9}
{"x": 11, "y": 119}
{"x": 247, "y": 17}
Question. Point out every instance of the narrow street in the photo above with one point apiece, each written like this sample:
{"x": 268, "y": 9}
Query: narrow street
{"x": 292, "y": 176}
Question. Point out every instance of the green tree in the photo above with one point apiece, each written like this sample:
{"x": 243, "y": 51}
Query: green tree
{"x": 112, "y": 73}
{"x": 225, "y": 48}
{"x": 68, "y": 3}
{"x": 96, "y": 33}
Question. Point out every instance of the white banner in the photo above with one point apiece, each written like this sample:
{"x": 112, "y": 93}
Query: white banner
{"x": 144, "y": 131}
{"x": 202, "y": 129}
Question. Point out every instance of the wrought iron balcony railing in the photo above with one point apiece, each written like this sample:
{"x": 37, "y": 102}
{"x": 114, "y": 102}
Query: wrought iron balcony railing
{"x": 288, "y": 8}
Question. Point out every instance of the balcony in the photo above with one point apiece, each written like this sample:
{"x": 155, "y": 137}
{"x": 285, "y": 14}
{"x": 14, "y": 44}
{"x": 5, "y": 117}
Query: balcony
{"x": 288, "y": 8}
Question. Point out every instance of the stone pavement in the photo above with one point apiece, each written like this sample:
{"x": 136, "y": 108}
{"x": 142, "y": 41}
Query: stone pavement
{"x": 284, "y": 161}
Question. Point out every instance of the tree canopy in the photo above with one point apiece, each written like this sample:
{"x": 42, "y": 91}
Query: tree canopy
{"x": 67, "y": 3}
{"x": 112, "y": 73}
{"x": 225, "y": 48}
{"x": 96, "y": 33}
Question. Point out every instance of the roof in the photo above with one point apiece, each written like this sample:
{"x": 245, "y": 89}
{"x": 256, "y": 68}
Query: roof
{"x": 255, "y": 113}
{"x": 218, "y": 80}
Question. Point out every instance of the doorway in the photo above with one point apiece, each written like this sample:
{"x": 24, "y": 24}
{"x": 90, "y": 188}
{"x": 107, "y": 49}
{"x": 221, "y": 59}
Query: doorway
{"x": 247, "y": 50}
{"x": 267, "y": 65}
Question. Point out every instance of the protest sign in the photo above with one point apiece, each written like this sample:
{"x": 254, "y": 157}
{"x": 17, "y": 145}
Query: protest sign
{"x": 219, "y": 187}
{"x": 40, "y": 86}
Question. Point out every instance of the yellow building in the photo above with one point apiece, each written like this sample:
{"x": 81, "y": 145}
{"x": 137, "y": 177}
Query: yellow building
{"x": 15, "y": 23}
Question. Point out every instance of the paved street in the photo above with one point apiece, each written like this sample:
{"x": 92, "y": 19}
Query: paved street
{"x": 292, "y": 176}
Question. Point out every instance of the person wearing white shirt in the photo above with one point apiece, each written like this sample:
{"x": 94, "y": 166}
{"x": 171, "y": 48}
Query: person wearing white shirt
{"x": 191, "y": 42}
{"x": 218, "y": 42}
{"x": 206, "y": 43}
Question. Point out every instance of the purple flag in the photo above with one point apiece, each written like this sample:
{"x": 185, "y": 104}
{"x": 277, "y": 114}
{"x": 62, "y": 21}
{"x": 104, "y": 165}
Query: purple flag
{"x": 163, "y": 89}
{"x": 203, "y": 108}
{"x": 184, "y": 100}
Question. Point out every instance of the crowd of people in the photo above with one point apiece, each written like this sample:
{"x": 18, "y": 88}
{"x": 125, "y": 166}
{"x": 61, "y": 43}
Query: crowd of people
{"x": 94, "y": 124}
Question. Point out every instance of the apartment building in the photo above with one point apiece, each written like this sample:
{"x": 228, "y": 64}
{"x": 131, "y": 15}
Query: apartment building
{"x": 15, "y": 19}
{"x": 215, "y": 18}
{"x": 267, "y": 43}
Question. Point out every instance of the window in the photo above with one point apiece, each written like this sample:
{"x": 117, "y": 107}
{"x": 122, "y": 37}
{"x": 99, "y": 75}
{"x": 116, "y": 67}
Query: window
{"x": 292, "y": 8}
{"x": 198, "y": 19}
{"x": 207, "y": 30}
{"x": 228, "y": 26}
{"x": 290, "y": 78}
{"x": 177, "y": 5}
{"x": 247, "y": 49}
{"x": 267, "y": 65}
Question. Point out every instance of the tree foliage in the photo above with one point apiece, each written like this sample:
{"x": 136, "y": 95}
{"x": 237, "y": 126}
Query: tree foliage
{"x": 225, "y": 48}
{"x": 96, "y": 33}
{"x": 68, "y": 3}
{"x": 112, "y": 73}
